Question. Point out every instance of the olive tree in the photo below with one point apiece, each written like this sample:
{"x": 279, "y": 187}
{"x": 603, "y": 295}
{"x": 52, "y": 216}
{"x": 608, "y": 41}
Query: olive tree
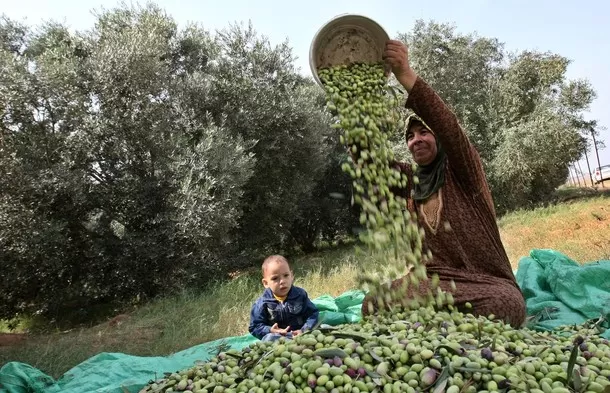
{"x": 138, "y": 158}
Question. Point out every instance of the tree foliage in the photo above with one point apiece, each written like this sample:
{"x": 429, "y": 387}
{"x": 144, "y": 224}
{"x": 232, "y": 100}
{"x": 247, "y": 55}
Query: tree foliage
{"x": 137, "y": 158}
{"x": 519, "y": 109}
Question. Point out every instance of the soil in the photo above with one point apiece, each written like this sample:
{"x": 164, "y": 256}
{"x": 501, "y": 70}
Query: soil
{"x": 8, "y": 339}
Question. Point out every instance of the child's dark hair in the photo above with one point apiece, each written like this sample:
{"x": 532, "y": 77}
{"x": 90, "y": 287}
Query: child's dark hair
{"x": 270, "y": 259}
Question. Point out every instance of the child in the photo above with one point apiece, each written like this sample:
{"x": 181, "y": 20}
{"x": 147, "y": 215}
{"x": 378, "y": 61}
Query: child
{"x": 283, "y": 309}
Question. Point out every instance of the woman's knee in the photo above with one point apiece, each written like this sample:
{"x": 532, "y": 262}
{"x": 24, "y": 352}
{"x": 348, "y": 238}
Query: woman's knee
{"x": 504, "y": 301}
{"x": 517, "y": 305}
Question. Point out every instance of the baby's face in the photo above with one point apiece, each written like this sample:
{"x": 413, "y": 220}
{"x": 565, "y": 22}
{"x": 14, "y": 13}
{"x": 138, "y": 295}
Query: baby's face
{"x": 278, "y": 278}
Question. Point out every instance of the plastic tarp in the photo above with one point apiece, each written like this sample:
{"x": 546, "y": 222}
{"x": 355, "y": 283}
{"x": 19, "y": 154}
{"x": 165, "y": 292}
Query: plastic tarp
{"x": 558, "y": 291}
{"x": 122, "y": 373}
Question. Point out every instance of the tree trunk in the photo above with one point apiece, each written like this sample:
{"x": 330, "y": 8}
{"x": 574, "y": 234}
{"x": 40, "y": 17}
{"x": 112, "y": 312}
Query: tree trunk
{"x": 584, "y": 179}
{"x": 571, "y": 176}
{"x": 576, "y": 175}
{"x": 599, "y": 165}
{"x": 589, "y": 168}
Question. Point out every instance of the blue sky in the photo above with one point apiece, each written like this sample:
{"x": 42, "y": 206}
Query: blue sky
{"x": 578, "y": 30}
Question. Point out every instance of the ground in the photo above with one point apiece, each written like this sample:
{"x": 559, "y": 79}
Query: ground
{"x": 578, "y": 226}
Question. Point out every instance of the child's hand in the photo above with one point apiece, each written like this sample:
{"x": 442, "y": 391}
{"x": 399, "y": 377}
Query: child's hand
{"x": 276, "y": 329}
{"x": 296, "y": 332}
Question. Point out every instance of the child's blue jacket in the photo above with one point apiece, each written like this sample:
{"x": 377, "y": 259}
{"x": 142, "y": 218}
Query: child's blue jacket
{"x": 297, "y": 311}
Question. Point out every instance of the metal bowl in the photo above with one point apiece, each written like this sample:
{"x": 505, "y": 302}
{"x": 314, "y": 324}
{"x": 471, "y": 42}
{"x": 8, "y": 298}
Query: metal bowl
{"x": 346, "y": 39}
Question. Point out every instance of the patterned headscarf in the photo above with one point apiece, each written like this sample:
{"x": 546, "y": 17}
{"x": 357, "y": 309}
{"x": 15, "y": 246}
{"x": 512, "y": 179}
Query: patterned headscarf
{"x": 432, "y": 176}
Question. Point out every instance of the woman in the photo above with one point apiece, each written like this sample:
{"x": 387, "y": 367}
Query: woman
{"x": 453, "y": 203}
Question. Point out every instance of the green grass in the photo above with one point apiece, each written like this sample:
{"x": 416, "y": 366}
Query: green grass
{"x": 579, "y": 227}
{"x": 172, "y": 324}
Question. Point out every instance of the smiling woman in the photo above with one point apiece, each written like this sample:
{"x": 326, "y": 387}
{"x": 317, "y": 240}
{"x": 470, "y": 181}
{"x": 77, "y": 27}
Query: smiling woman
{"x": 421, "y": 141}
{"x": 453, "y": 202}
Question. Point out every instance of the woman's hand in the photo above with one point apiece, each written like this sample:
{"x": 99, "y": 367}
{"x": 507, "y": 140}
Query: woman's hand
{"x": 396, "y": 57}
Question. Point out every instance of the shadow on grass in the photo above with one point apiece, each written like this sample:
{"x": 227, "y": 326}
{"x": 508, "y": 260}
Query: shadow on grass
{"x": 573, "y": 194}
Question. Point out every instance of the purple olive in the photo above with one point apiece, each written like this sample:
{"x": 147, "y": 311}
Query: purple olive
{"x": 362, "y": 372}
{"x": 337, "y": 361}
{"x": 351, "y": 372}
{"x": 504, "y": 384}
{"x": 487, "y": 354}
{"x": 587, "y": 355}
{"x": 583, "y": 347}
{"x": 312, "y": 381}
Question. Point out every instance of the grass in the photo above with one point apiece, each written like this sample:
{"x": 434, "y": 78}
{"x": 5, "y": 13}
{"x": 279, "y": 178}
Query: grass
{"x": 176, "y": 323}
{"x": 578, "y": 227}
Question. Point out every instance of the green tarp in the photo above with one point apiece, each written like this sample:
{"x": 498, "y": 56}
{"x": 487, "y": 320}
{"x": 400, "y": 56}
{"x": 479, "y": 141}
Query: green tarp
{"x": 558, "y": 291}
{"x": 122, "y": 373}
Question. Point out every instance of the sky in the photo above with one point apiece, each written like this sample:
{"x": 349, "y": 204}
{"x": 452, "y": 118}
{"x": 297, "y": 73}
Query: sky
{"x": 578, "y": 30}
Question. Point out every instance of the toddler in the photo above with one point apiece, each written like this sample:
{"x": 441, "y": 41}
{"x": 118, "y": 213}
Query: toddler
{"x": 283, "y": 309}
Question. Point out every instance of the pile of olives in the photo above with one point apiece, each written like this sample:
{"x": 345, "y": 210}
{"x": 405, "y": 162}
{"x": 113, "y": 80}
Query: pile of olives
{"x": 420, "y": 345}
{"x": 407, "y": 351}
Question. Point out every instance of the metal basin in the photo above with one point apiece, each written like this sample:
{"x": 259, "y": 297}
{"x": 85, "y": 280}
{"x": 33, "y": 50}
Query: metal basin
{"x": 346, "y": 39}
